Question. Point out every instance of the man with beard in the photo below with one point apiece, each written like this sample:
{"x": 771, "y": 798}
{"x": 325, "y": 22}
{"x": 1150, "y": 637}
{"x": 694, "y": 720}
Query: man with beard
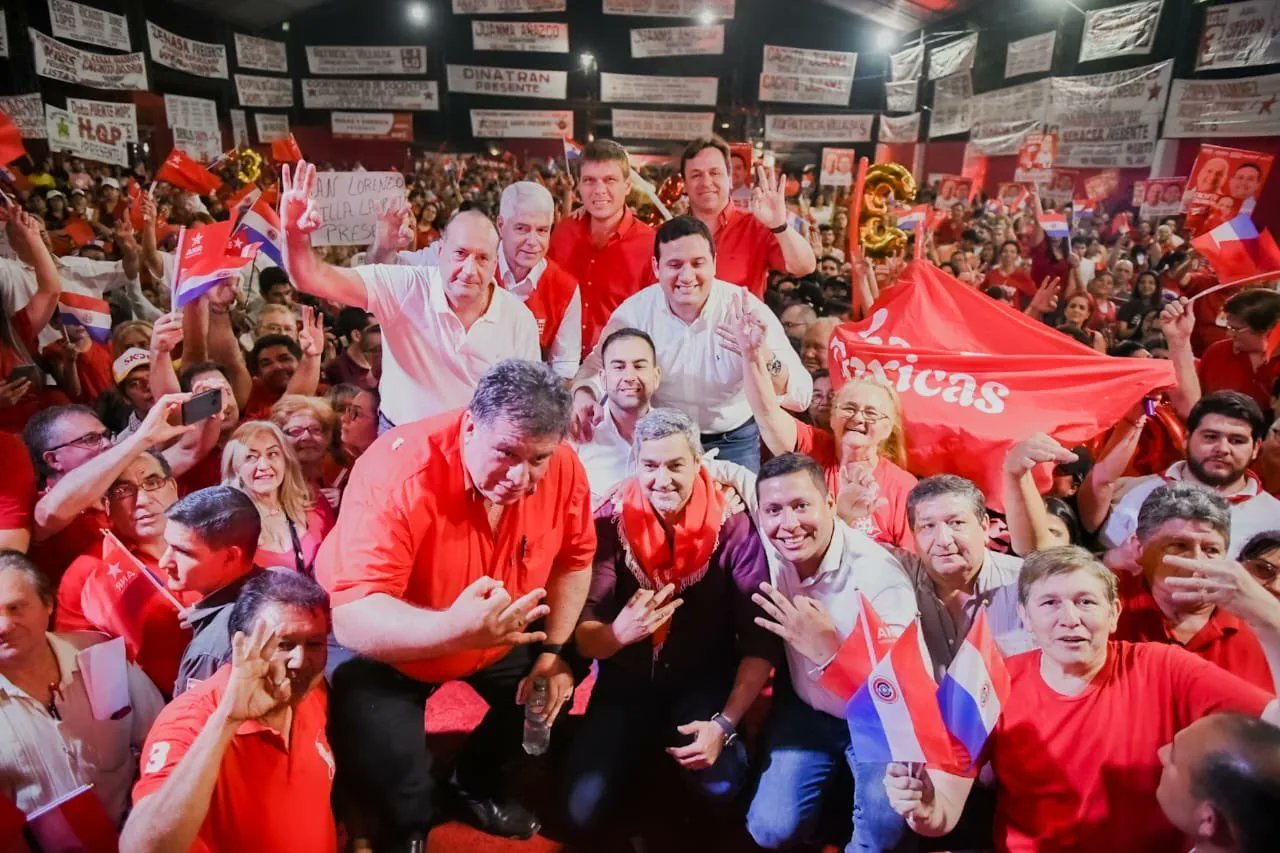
{"x": 1225, "y": 433}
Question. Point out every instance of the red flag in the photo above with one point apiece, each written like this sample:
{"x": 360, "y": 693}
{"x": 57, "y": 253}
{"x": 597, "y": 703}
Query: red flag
{"x": 181, "y": 171}
{"x": 869, "y": 641}
{"x": 1239, "y": 253}
{"x": 79, "y": 231}
{"x": 976, "y": 376}
{"x": 286, "y": 150}
{"x": 11, "y": 147}
{"x": 206, "y": 256}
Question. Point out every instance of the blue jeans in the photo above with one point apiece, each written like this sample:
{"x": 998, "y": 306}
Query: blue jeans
{"x": 805, "y": 752}
{"x": 741, "y": 445}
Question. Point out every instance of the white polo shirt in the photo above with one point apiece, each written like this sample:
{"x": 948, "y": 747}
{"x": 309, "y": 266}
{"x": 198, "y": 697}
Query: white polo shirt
{"x": 430, "y": 362}
{"x": 607, "y": 458}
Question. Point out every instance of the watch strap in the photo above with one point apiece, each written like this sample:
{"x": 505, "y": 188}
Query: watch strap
{"x": 780, "y": 228}
{"x": 556, "y": 649}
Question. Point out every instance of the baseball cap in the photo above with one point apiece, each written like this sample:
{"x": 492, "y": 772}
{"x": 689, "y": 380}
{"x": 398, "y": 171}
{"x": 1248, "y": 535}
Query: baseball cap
{"x": 129, "y": 361}
{"x": 111, "y": 182}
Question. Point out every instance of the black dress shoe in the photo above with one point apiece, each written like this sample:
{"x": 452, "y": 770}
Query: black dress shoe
{"x": 506, "y": 819}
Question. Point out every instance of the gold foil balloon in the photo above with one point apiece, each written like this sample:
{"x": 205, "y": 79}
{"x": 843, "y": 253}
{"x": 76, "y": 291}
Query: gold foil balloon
{"x": 878, "y": 230}
{"x": 248, "y": 165}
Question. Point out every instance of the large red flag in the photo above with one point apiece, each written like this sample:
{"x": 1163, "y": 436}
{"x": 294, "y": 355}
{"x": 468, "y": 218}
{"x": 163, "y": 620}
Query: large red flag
{"x": 285, "y": 150}
{"x": 181, "y": 171}
{"x": 1238, "y": 252}
{"x": 976, "y": 376}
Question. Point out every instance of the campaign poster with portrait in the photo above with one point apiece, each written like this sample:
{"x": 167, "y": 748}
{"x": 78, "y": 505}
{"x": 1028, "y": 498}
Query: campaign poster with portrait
{"x": 1035, "y": 158}
{"x": 1159, "y": 198}
{"x": 1059, "y": 189}
{"x": 953, "y": 189}
{"x": 1224, "y": 182}
{"x": 1013, "y": 196}
{"x": 837, "y": 167}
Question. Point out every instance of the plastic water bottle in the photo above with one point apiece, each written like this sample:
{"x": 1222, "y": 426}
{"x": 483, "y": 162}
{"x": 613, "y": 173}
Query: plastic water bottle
{"x": 537, "y": 734}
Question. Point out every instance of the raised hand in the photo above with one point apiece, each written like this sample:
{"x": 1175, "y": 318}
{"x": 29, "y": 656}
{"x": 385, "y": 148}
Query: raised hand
{"x": 1046, "y": 299}
{"x": 394, "y": 226}
{"x": 1030, "y": 452}
{"x": 484, "y": 615}
{"x": 166, "y": 334}
{"x": 587, "y": 414}
{"x": 258, "y": 684}
{"x": 163, "y": 423}
{"x": 801, "y": 622}
{"x": 298, "y": 214}
{"x": 1225, "y": 583}
{"x": 311, "y": 335}
{"x": 645, "y": 613}
{"x": 859, "y": 494}
{"x": 768, "y": 198}
{"x": 124, "y": 236}
{"x": 149, "y": 209}
{"x": 1177, "y": 321}
{"x": 742, "y": 332}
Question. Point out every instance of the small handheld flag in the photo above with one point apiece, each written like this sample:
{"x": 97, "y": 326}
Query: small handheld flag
{"x": 867, "y": 643}
{"x": 84, "y": 309}
{"x": 974, "y": 689}
{"x": 1055, "y": 224}
{"x": 205, "y": 258}
{"x": 1238, "y": 252}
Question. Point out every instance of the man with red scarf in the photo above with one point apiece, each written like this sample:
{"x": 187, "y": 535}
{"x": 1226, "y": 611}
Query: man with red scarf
{"x": 671, "y": 621}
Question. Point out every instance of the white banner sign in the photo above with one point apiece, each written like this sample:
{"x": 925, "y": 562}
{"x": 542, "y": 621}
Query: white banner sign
{"x": 670, "y": 8}
{"x": 200, "y": 58}
{"x": 520, "y": 36}
{"x": 506, "y": 7}
{"x": 85, "y": 138}
{"x": 361, "y": 59}
{"x": 1031, "y": 55}
{"x": 256, "y": 91}
{"x": 818, "y": 128}
{"x": 819, "y": 63}
{"x": 1002, "y": 118}
{"x": 330, "y": 94}
{"x": 261, "y": 54}
{"x": 78, "y": 22}
{"x": 194, "y": 122}
{"x": 1239, "y": 35}
{"x": 653, "y": 124}
{"x": 397, "y": 126}
{"x": 27, "y": 112}
{"x": 59, "y": 61}
{"x": 953, "y": 58}
{"x": 651, "y": 89}
{"x": 900, "y": 128}
{"x": 1126, "y": 30}
{"x": 952, "y": 105}
{"x": 648, "y": 42}
{"x": 522, "y": 124}
{"x": 907, "y": 64}
{"x": 901, "y": 97}
{"x": 1245, "y": 106}
{"x": 348, "y": 204}
{"x": 271, "y": 127}
{"x": 239, "y": 128}
{"x": 4, "y": 37}
{"x": 1108, "y": 120}
{"x": 204, "y": 145}
{"x": 514, "y": 82}
{"x": 113, "y": 113}
{"x": 795, "y": 89}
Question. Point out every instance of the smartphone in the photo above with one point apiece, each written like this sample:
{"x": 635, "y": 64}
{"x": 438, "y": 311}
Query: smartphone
{"x": 29, "y": 372}
{"x": 1149, "y": 406}
{"x": 202, "y": 406}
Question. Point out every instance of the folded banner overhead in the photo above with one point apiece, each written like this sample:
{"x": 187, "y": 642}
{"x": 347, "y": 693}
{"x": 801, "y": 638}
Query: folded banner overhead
{"x": 1110, "y": 119}
{"x": 1127, "y": 30}
{"x": 819, "y": 63}
{"x": 900, "y": 128}
{"x": 907, "y": 64}
{"x": 806, "y": 89}
{"x": 1243, "y": 106}
{"x": 78, "y": 22}
{"x": 58, "y": 61}
{"x": 657, "y": 124}
{"x": 651, "y": 42}
{"x": 203, "y": 59}
{"x": 902, "y": 97}
{"x": 670, "y": 8}
{"x": 511, "y": 82}
{"x": 952, "y": 105}
{"x": 261, "y": 54}
{"x": 328, "y": 93}
{"x": 254, "y": 90}
{"x": 1031, "y": 55}
{"x": 1238, "y": 35}
{"x": 953, "y": 57}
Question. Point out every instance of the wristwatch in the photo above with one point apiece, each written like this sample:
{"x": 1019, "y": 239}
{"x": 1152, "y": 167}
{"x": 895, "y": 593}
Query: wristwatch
{"x": 556, "y": 649}
{"x": 774, "y": 367}
{"x": 780, "y": 228}
{"x": 730, "y": 731}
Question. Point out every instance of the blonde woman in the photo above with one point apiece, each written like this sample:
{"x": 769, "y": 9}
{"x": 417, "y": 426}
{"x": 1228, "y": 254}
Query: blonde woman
{"x": 259, "y": 461}
{"x": 309, "y": 423}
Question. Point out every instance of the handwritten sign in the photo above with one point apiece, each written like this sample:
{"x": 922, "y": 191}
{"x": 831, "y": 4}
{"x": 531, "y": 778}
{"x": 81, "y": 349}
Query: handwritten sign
{"x": 349, "y": 202}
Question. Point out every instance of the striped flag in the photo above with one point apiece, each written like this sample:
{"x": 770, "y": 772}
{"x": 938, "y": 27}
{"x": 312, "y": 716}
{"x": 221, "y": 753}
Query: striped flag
{"x": 868, "y": 642}
{"x": 261, "y": 225}
{"x": 572, "y": 153}
{"x": 205, "y": 258}
{"x": 974, "y": 689}
{"x": 1054, "y": 223}
{"x": 914, "y": 217}
{"x": 1239, "y": 253}
{"x": 84, "y": 309}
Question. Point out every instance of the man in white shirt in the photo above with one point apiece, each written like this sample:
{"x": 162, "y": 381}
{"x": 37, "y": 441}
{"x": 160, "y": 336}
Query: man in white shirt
{"x": 1225, "y": 431}
{"x": 54, "y": 738}
{"x": 820, "y": 569}
{"x": 702, "y": 370}
{"x": 442, "y": 326}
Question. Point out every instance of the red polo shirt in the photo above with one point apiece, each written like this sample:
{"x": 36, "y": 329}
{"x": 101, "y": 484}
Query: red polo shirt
{"x": 81, "y": 536}
{"x": 606, "y": 275}
{"x": 1221, "y": 368}
{"x": 413, "y": 527}
{"x": 18, "y": 485}
{"x": 1224, "y": 639}
{"x": 746, "y": 250}
{"x": 1019, "y": 280}
{"x": 270, "y": 794}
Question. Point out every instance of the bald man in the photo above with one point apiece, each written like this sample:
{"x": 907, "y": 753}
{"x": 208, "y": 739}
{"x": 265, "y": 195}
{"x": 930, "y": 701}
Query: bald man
{"x": 443, "y": 326}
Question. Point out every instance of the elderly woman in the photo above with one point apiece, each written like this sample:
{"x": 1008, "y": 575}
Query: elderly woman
{"x": 308, "y": 423}
{"x": 259, "y": 461}
{"x": 669, "y": 616}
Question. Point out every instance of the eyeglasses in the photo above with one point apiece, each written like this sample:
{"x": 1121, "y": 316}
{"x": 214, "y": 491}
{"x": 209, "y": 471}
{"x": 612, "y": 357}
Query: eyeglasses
{"x": 128, "y": 491}
{"x": 353, "y": 413}
{"x": 296, "y": 432}
{"x": 88, "y": 441}
{"x": 1264, "y": 570}
{"x": 871, "y": 416}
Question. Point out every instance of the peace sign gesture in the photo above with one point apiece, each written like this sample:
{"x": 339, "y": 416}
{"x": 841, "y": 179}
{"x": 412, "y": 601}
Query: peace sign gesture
{"x": 298, "y": 215}
{"x": 768, "y": 200}
{"x": 258, "y": 684}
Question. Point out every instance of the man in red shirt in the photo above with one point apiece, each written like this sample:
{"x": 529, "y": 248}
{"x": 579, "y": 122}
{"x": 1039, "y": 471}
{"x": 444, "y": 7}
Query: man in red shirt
{"x": 242, "y": 761}
{"x": 748, "y": 245}
{"x": 453, "y": 530}
{"x": 602, "y": 244}
{"x": 1076, "y": 750}
{"x": 17, "y": 493}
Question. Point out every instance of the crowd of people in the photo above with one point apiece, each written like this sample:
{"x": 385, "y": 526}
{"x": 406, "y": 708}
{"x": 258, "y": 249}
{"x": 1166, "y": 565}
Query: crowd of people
{"x": 529, "y": 441}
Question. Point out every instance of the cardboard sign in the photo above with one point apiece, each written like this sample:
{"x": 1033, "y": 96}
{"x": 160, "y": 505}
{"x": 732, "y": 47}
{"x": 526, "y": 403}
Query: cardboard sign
{"x": 348, "y": 204}
{"x": 1059, "y": 189}
{"x": 1159, "y": 198}
{"x": 954, "y": 189}
{"x": 1036, "y": 156}
{"x": 1013, "y": 196}
{"x": 1224, "y": 183}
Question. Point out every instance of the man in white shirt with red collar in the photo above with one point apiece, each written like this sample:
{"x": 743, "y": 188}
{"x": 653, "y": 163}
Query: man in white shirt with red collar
{"x": 442, "y": 326}
{"x": 1224, "y": 434}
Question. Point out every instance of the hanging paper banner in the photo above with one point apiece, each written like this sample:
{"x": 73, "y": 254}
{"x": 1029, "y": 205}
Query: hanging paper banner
{"x": 393, "y": 126}
{"x": 201, "y": 58}
{"x": 256, "y": 91}
{"x": 522, "y": 124}
{"x": 901, "y": 97}
{"x": 78, "y": 22}
{"x": 1109, "y": 120}
{"x": 194, "y": 123}
{"x": 113, "y": 113}
{"x": 656, "y": 124}
{"x": 520, "y": 36}
{"x": 333, "y": 94}
{"x": 1243, "y": 106}
{"x": 907, "y": 64}
{"x": 513, "y": 82}
{"x": 348, "y": 204}
{"x": 652, "y": 89}
{"x": 239, "y": 128}
{"x": 649, "y": 42}
{"x": 261, "y": 54}
{"x": 4, "y": 36}
{"x": 1224, "y": 183}
{"x": 819, "y": 63}
{"x": 1031, "y": 55}
{"x": 373, "y": 59}
{"x": 953, "y": 58}
{"x": 953, "y": 189}
{"x": 59, "y": 61}
{"x": 1127, "y": 30}
{"x": 202, "y": 145}
{"x": 1239, "y": 35}
{"x": 271, "y": 127}
{"x": 1036, "y": 155}
{"x": 506, "y": 7}
{"x": 670, "y": 8}
{"x": 837, "y": 167}
{"x": 27, "y": 112}
{"x": 85, "y": 138}
{"x": 818, "y": 128}
{"x": 796, "y": 89}
{"x": 1003, "y": 118}
{"x": 900, "y": 128}
{"x": 1159, "y": 198}
{"x": 952, "y": 105}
